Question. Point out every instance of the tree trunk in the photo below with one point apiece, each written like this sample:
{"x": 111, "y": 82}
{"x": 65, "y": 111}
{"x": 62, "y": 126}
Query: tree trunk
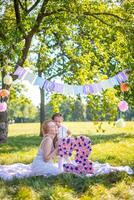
{"x": 42, "y": 100}
{"x": 3, "y": 118}
{"x": 3, "y": 126}
{"x": 42, "y": 109}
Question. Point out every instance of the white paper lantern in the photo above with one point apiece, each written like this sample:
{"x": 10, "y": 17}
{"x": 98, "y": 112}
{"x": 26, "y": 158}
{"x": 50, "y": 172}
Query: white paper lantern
{"x": 120, "y": 123}
{"x": 8, "y": 80}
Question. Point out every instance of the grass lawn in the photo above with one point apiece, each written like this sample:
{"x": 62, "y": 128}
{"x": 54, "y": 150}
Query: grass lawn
{"x": 115, "y": 146}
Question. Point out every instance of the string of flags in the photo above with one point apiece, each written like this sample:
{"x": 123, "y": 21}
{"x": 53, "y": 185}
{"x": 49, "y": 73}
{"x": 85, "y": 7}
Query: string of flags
{"x": 71, "y": 90}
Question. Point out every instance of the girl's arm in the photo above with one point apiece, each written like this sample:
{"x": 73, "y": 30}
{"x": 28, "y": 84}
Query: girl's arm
{"x": 68, "y": 132}
{"x": 47, "y": 147}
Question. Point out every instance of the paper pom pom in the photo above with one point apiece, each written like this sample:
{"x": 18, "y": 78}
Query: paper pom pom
{"x": 4, "y": 93}
{"x": 124, "y": 87}
{"x": 3, "y": 107}
{"x": 8, "y": 80}
{"x": 120, "y": 123}
{"x": 123, "y": 106}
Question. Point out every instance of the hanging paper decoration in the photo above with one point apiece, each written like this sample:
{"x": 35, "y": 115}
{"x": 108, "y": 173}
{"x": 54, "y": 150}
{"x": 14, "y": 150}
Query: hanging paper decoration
{"x": 114, "y": 81}
{"x": 120, "y": 123}
{"x": 8, "y": 80}
{"x": 29, "y": 77}
{"x": 49, "y": 86}
{"x": 58, "y": 88}
{"x": 20, "y": 72}
{"x": 4, "y": 93}
{"x": 71, "y": 90}
{"x": 124, "y": 87}
{"x": 78, "y": 90}
{"x": 3, "y": 106}
{"x": 122, "y": 76}
{"x": 39, "y": 81}
{"x": 123, "y": 106}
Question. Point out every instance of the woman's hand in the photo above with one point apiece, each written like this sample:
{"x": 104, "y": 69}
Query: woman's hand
{"x": 56, "y": 150}
{"x": 56, "y": 144}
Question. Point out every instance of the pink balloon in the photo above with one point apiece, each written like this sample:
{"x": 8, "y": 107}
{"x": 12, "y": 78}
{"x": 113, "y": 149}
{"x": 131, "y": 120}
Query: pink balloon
{"x": 123, "y": 106}
{"x": 3, "y": 107}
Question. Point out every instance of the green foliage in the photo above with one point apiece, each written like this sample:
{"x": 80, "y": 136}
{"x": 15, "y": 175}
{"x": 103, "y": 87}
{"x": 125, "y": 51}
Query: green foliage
{"x": 20, "y": 106}
{"x": 79, "y": 41}
{"x": 103, "y": 106}
{"x": 55, "y": 102}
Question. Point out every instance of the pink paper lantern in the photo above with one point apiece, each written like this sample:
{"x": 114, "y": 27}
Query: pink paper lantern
{"x": 123, "y": 106}
{"x": 3, "y": 107}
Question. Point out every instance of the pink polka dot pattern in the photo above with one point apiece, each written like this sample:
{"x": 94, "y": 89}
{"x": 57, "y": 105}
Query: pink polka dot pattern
{"x": 82, "y": 146}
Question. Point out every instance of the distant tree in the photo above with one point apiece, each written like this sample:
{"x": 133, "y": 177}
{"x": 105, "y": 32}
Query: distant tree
{"x": 20, "y": 106}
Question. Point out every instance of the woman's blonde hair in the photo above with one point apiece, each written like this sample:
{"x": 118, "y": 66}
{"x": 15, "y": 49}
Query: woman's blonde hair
{"x": 45, "y": 127}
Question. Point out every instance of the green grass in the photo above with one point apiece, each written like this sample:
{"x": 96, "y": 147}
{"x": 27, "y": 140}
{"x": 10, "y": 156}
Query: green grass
{"x": 115, "y": 146}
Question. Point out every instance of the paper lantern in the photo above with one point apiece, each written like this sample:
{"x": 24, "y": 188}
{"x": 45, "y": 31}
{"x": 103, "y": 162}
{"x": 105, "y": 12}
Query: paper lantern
{"x": 8, "y": 80}
{"x": 4, "y": 93}
{"x": 124, "y": 87}
{"x": 120, "y": 123}
{"x": 123, "y": 106}
{"x": 3, "y": 107}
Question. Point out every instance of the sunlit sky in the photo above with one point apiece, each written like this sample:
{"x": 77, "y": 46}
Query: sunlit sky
{"x": 31, "y": 91}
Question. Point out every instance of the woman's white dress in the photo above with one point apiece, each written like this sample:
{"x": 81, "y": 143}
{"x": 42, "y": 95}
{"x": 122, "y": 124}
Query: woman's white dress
{"x": 42, "y": 167}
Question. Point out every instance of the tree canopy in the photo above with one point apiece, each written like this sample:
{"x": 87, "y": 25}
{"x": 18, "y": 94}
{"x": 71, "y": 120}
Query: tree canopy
{"x": 81, "y": 41}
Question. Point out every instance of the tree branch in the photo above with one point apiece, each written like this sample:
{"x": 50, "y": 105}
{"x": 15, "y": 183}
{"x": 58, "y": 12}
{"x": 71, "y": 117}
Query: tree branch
{"x": 58, "y": 74}
{"x": 104, "y": 13}
{"x": 33, "y": 6}
{"x": 21, "y": 5}
{"x": 39, "y": 18}
{"x": 29, "y": 36}
{"x": 17, "y": 12}
{"x": 26, "y": 5}
{"x": 84, "y": 13}
{"x": 18, "y": 17}
{"x": 101, "y": 20}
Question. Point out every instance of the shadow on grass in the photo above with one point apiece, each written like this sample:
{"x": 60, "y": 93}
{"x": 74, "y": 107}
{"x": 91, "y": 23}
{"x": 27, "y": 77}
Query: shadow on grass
{"x": 100, "y": 138}
{"x": 18, "y": 143}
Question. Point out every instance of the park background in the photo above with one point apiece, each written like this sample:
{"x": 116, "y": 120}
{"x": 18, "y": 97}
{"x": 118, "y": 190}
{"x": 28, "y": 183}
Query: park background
{"x": 72, "y": 42}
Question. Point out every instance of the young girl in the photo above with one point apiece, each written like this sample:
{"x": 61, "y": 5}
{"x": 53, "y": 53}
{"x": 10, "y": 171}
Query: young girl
{"x": 42, "y": 164}
{"x": 63, "y": 132}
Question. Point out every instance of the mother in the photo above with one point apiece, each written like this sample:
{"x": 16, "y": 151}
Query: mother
{"x": 42, "y": 164}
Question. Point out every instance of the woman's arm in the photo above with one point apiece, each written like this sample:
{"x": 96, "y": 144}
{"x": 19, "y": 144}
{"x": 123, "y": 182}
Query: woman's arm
{"x": 47, "y": 147}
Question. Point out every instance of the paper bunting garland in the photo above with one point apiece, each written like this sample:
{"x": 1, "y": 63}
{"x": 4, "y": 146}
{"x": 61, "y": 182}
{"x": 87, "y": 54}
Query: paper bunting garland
{"x": 39, "y": 81}
{"x": 20, "y": 72}
{"x": 71, "y": 90}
